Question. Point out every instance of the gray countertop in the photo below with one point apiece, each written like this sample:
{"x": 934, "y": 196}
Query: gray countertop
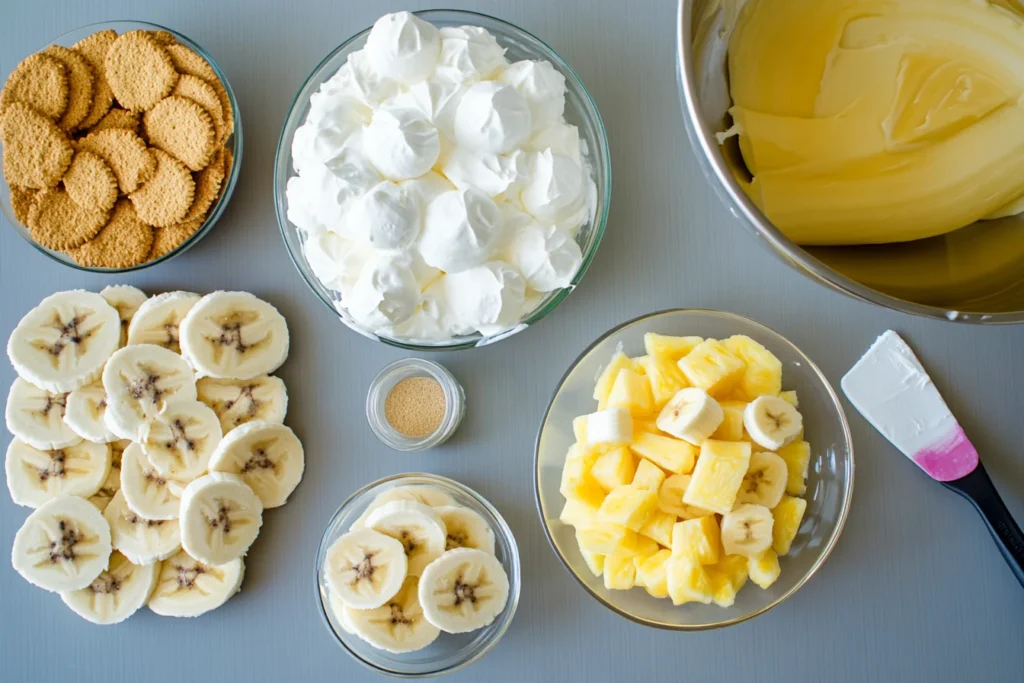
{"x": 915, "y": 590}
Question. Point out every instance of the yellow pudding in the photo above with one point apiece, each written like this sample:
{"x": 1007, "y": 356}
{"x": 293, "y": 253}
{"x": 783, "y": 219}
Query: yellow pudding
{"x": 879, "y": 121}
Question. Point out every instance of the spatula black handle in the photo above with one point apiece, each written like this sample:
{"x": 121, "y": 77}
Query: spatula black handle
{"x": 977, "y": 488}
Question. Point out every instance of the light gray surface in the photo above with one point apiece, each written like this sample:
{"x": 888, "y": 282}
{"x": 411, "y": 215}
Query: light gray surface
{"x": 915, "y": 591}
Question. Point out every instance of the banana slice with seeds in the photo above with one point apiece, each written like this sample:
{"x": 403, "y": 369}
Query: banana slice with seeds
{"x": 141, "y": 381}
{"x": 36, "y": 416}
{"x": 220, "y": 518}
{"x": 158, "y": 319}
{"x": 772, "y": 422}
{"x": 428, "y": 495}
{"x": 62, "y": 343}
{"x": 340, "y": 612}
{"x": 35, "y": 477}
{"x": 117, "y": 593}
{"x": 186, "y": 587}
{"x": 466, "y": 529}
{"x": 268, "y": 457}
{"x": 239, "y": 401}
{"x": 397, "y": 626}
{"x": 747, "y": 530}
{"x": 180, "y": 440}
{"x": 418, "y": 527}
{"x": 111, "y": 485}
{"x": 365, "y": 568}
{"x": 234, "y": 335}
{"x": 126, "y": 300}
{"x": 62, "y": 546}
{"x": 85, "y": 410}
{"x": 148, "y": 493}
{"x": 143, "y": 541}
{"x": 765, "y": 480}
{"x": 463, "y": 590}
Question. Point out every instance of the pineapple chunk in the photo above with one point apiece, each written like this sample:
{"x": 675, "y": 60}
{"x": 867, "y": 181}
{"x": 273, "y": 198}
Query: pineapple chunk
{"x": 790, "y": 398}
{"x": 788, "y": 515}
{"x": 645, "y": 547}
{"x": 723, "y": 592}
{"x": 798, "y": 459}
{"x": 663, "y": 354}
{"x": 687, "y": 580}
{"x": 579, "y": 429}
{"x": 577, "y": 484}
{"x": 718, "y": 475}
{"x": 615, "y": 468}
{"x": 603, "y": 539}
{"x": 667, "y": 453}
{"x": 699, "y": 538}
{"x": 764, "y": 570}
{"x": 581, "y": 452}
{"x": 648, "y": 475}
{"x": 659, "y": 528}
{"x": 576, "y": 513}
{"x": 670, "y": 498}
{"x": 735, "y": 567}
{"x": 731, "y": 428}
{"x": 619, "y": 570}
{"x": 594, "y": 562}
{"x": 672, "y": 348}
{"x": 628, "y": 506}
{"x": 639, "y": 364}
{"x": 652, "y": 574}
{"x": 711, "y": 367}
{"x": 632, "y": 391}
{"x": 763, "y": 374}
{"x": 607, "y": 378}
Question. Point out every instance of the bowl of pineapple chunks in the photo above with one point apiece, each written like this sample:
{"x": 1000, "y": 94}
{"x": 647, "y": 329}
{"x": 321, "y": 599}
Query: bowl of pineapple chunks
{"x": 694, "y": 469}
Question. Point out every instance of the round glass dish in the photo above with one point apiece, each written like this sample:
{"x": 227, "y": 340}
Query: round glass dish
{"x": 385, "y": 381}
{"x": 580, "y": 111}
{"x": 234, "y": 144}
{"x": 450, "y": 652}
{"x": 829, "y": 483}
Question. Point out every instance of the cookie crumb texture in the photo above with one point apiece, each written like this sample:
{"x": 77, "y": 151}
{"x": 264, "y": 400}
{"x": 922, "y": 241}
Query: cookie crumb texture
{"x": 416, "y": 407}
{"x": 115, "y": 149}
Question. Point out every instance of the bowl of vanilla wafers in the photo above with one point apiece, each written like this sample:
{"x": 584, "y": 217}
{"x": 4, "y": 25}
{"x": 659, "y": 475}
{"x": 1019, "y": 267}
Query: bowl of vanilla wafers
{"x": 121, "y": 145}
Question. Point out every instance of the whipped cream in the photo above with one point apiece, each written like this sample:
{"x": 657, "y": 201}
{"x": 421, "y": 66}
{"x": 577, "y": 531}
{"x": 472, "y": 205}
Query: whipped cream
{"x": 438, "y": 189}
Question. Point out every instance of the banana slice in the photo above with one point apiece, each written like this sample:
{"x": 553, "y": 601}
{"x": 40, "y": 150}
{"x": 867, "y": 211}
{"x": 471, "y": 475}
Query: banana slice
{"x": 117, "y": 593}
{"x": 141, "y": 381}
{"x": 111, "y": 485}
{"x": 220, "y": 518}
{"x": 117, "y": 450}
{"x": 126, "y": 300}
{"x": 772, "y": 422}
{"x": 466, "y": 529}
{"x": 158, "y": 319}
{"x": 418, "y": 527}
{"x": 691, "y": 415}
{"x": 62, "y": 343}
{"x": 36, "y": 416}
{"x": 238, "y": 401}
{"x": 765, "y": 481}
{"x": 268, "y": 457}
{"x": 747, "y": 530}
{"x": 365, "y": 568}
{"x": 463, "y": 590}
{"x": 35, "y": 477}
{"x": 340, "y": 612}
{"x": 186, "y": 587}
{"x": 148, "y": 493}
{"x": 397, "y": 626}
{"x": 62, "y": 546}
{"x": 143, "y": 541}
{"x": 234, "y": 335}
{"x": 428, "y": 495}
{"x": 85, "y": 410}
{"x": 180, "y": 440}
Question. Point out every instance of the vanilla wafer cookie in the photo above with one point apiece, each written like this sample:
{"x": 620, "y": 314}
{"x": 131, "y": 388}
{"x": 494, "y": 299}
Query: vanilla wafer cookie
{"x": 21, "y": 202}
{"x": 94, "y": 49}
{"x": 80, "y": 85}
{"x": 166, "y": 197}
{"x": 208, "y": 185}
{"x": 166, "y": 240}
{"x": 36, "y": 152}
{"x": 57, "y": 222}
{"x": 203, "y": 94}
{"x": 119, "y": 118}
{"x": 90, "y": 182}
{"x": 125, "y": 241}
{"x": 39, "y": 81}
{"x": 183, "y": 129}
{"x": 139, "y": 70}
{"x": 126, "y": 154}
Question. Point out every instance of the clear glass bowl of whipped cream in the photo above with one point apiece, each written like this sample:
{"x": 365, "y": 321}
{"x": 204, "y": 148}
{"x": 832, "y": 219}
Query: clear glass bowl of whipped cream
{"x": 442, "y": 180}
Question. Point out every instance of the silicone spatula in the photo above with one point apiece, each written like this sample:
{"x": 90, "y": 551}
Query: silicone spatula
{"x": 893, "y": 392}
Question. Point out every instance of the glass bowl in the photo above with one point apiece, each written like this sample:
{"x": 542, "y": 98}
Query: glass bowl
{"x": 450, "y": 652}
{"x": 829, "y": 482}
{"x": 580, "y": 111}
{"x": 391, "y": 375}
{"x": 234, "y": 144}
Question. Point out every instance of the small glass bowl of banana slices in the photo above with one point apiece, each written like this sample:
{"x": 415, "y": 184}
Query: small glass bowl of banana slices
{"x": 417, "y": 575}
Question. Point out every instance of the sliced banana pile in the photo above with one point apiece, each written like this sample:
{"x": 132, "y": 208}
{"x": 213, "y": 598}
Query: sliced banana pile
{"x": 148, "y": 439}
{"x": 414, "y": 565}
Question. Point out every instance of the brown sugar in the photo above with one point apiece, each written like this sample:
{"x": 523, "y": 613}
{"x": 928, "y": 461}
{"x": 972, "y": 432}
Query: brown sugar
{"x": 416, "y": 406}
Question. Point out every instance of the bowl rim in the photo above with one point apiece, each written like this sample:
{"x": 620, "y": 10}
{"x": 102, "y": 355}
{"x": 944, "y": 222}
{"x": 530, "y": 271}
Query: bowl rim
{"x": 757, "y": 224}
{"x": 425, "y": 478}
{"x": 826, "y": 551}
{"x": 230, "y": 182}
{"x": 601, "y": 213}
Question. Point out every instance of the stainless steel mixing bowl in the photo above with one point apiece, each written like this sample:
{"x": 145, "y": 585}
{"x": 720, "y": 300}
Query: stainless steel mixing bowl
{"x": 975, "y": 274}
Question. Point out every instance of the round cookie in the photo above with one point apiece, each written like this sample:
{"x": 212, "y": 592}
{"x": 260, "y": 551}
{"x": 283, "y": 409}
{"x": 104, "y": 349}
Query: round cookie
{"x": 21, "y": 202}
{"x": 94, "y": 49}
{"x": 188, "y": 62}
{"x": 208, "y": 184}
{"x": 57, "y": 222}
{"x": 166, "y": 240}
{"x": 229, "y": 112}
{"x": 80, "y": 85}
{"x": 163, "y": 37}
{"x": 90, "y": 182}
{"x": 118, "y": 118}
{"x": 203, "y": 94}
{"x": 139, "y": 70}
{"x": 229, "y": 162}
{"x": 167, "y": 196}
{"x": 123, "y": 242}
{"x": 126, "y": 154}
{"x": 183, "y": 129}
{"x": 39, "y": 81}
{"x": 36, "y": 151}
